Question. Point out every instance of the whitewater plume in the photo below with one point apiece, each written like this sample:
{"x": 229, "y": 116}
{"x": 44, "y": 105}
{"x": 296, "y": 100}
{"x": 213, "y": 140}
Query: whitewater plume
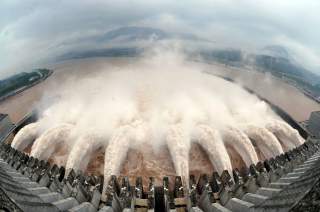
{"x": 179, "y": 144}
{"x": 115, "y": 153}
{"x": 82, "y": 152}
{"x": 211, "y": 141}
{"x": 47, "y": 143}
{"x": 25, "y": 136}
{"x": 157, "y": 100}
{"x": 290, "y": 137}
{"x": 265, "y": 141}
{"x": 240, "y": 141}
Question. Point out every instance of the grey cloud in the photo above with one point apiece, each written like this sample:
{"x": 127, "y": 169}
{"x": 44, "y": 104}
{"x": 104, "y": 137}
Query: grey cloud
{"x": 33, "y": 31}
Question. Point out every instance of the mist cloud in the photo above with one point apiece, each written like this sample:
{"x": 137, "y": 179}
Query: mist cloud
{"x": 33, "y": 32}
{"x": 159, "y": 100}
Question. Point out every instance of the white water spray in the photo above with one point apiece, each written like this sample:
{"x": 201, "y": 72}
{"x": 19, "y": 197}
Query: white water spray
{"x": 49, "y": 141}
{"x": 265, "y": 140}
{"x": 242, "y": 144}
{"x": 82, "y": 152}
{"x": 115, "y": 153}
{"x": 147, "y": 101}
{"x": 211, "y": 141}
{"x": 25, "y": 136}
{"x": 286, "y": 133}
{"x": 179, "y": 145}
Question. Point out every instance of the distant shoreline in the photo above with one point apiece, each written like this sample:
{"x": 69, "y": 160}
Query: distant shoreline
{"x": 20, "y": 90}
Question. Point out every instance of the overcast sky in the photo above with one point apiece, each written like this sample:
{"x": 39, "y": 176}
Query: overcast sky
{"x": 37, "y": 30}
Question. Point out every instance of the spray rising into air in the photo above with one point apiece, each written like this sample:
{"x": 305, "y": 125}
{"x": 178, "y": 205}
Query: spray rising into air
{"x": 161, "y": 100}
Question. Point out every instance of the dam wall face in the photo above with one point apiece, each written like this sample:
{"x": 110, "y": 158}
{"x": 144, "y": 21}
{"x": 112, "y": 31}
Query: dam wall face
{"x": 6, "y": 127}
{"x": 313, "y": 125}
